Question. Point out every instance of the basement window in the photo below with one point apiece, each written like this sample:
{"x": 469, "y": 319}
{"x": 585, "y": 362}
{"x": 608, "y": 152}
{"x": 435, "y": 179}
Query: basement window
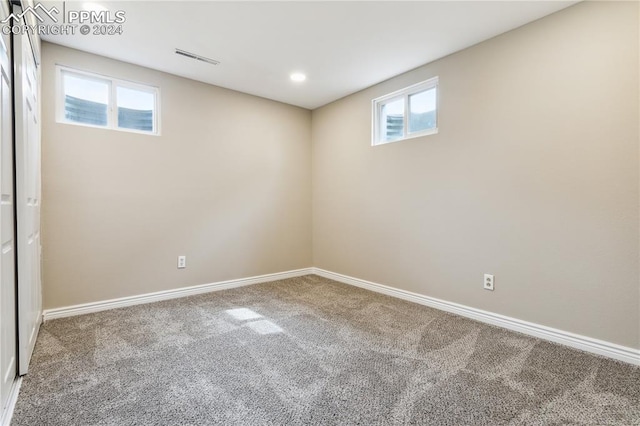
{"x": 97, "y": 101}
{"x": 406, "y": 113}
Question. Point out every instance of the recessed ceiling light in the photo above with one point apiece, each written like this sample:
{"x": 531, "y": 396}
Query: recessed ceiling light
{"x": 298, "y": 77}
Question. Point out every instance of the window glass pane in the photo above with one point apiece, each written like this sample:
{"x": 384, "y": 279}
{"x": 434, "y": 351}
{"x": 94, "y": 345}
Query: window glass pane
{"x": 392, "y": 120}
{"x": 422, "y": 107}
{"x": 135, "y": 109}
{"x": 85, "y": 99}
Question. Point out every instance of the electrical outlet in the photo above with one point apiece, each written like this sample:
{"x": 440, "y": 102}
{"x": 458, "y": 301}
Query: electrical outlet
{"x": 488, "y": 282}
{"x": 182, "y": 262}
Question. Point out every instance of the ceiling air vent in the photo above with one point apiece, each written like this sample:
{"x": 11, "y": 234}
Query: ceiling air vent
{"x": 196, "y": 57}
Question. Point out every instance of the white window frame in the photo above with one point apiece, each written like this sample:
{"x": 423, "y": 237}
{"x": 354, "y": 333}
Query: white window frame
{"x": 112, "y": 107}
{"x": 405, "y": 93}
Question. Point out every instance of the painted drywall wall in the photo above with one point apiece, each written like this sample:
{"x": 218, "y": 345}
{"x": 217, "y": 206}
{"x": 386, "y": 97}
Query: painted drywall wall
{"x": 533, "y": 177}
{"x": 227, "y": 184}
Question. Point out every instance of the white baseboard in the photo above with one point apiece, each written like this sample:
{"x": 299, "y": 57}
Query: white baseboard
{"x": 577, "y": 341}
{"x": 104, "y": 305}
{"x": 7, "y": 414}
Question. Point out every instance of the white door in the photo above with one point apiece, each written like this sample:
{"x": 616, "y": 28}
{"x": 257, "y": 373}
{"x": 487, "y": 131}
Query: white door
{"x": 27, "y": 199}
{"x": 7, "y": 227}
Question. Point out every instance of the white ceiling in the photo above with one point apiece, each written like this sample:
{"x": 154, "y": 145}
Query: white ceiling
{"x": 343, "y": 47}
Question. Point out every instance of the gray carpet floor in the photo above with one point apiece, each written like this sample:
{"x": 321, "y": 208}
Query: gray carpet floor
{"x": 315, "y": 352}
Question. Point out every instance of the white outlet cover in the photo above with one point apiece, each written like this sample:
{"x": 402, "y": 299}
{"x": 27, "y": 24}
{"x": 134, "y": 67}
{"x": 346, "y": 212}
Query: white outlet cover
{"x": 488, "y": 282}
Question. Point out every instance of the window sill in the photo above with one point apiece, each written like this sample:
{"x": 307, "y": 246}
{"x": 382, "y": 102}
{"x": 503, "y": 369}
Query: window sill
{"x": 119, "y": 129}
{"x": 411, "y": 136}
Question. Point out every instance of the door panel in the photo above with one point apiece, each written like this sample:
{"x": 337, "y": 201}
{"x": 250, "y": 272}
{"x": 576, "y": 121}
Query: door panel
{"x": 8, "y": 351}
{"x": 28, "y": 199}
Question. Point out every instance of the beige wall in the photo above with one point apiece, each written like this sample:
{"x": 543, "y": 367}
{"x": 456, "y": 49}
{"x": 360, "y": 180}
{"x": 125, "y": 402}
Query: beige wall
{"x": 533, "y": 177}
{"x": 227, "y": 184}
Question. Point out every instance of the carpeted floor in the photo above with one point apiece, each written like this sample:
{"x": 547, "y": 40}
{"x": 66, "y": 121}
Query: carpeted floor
{"x": 315, "y": 352}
